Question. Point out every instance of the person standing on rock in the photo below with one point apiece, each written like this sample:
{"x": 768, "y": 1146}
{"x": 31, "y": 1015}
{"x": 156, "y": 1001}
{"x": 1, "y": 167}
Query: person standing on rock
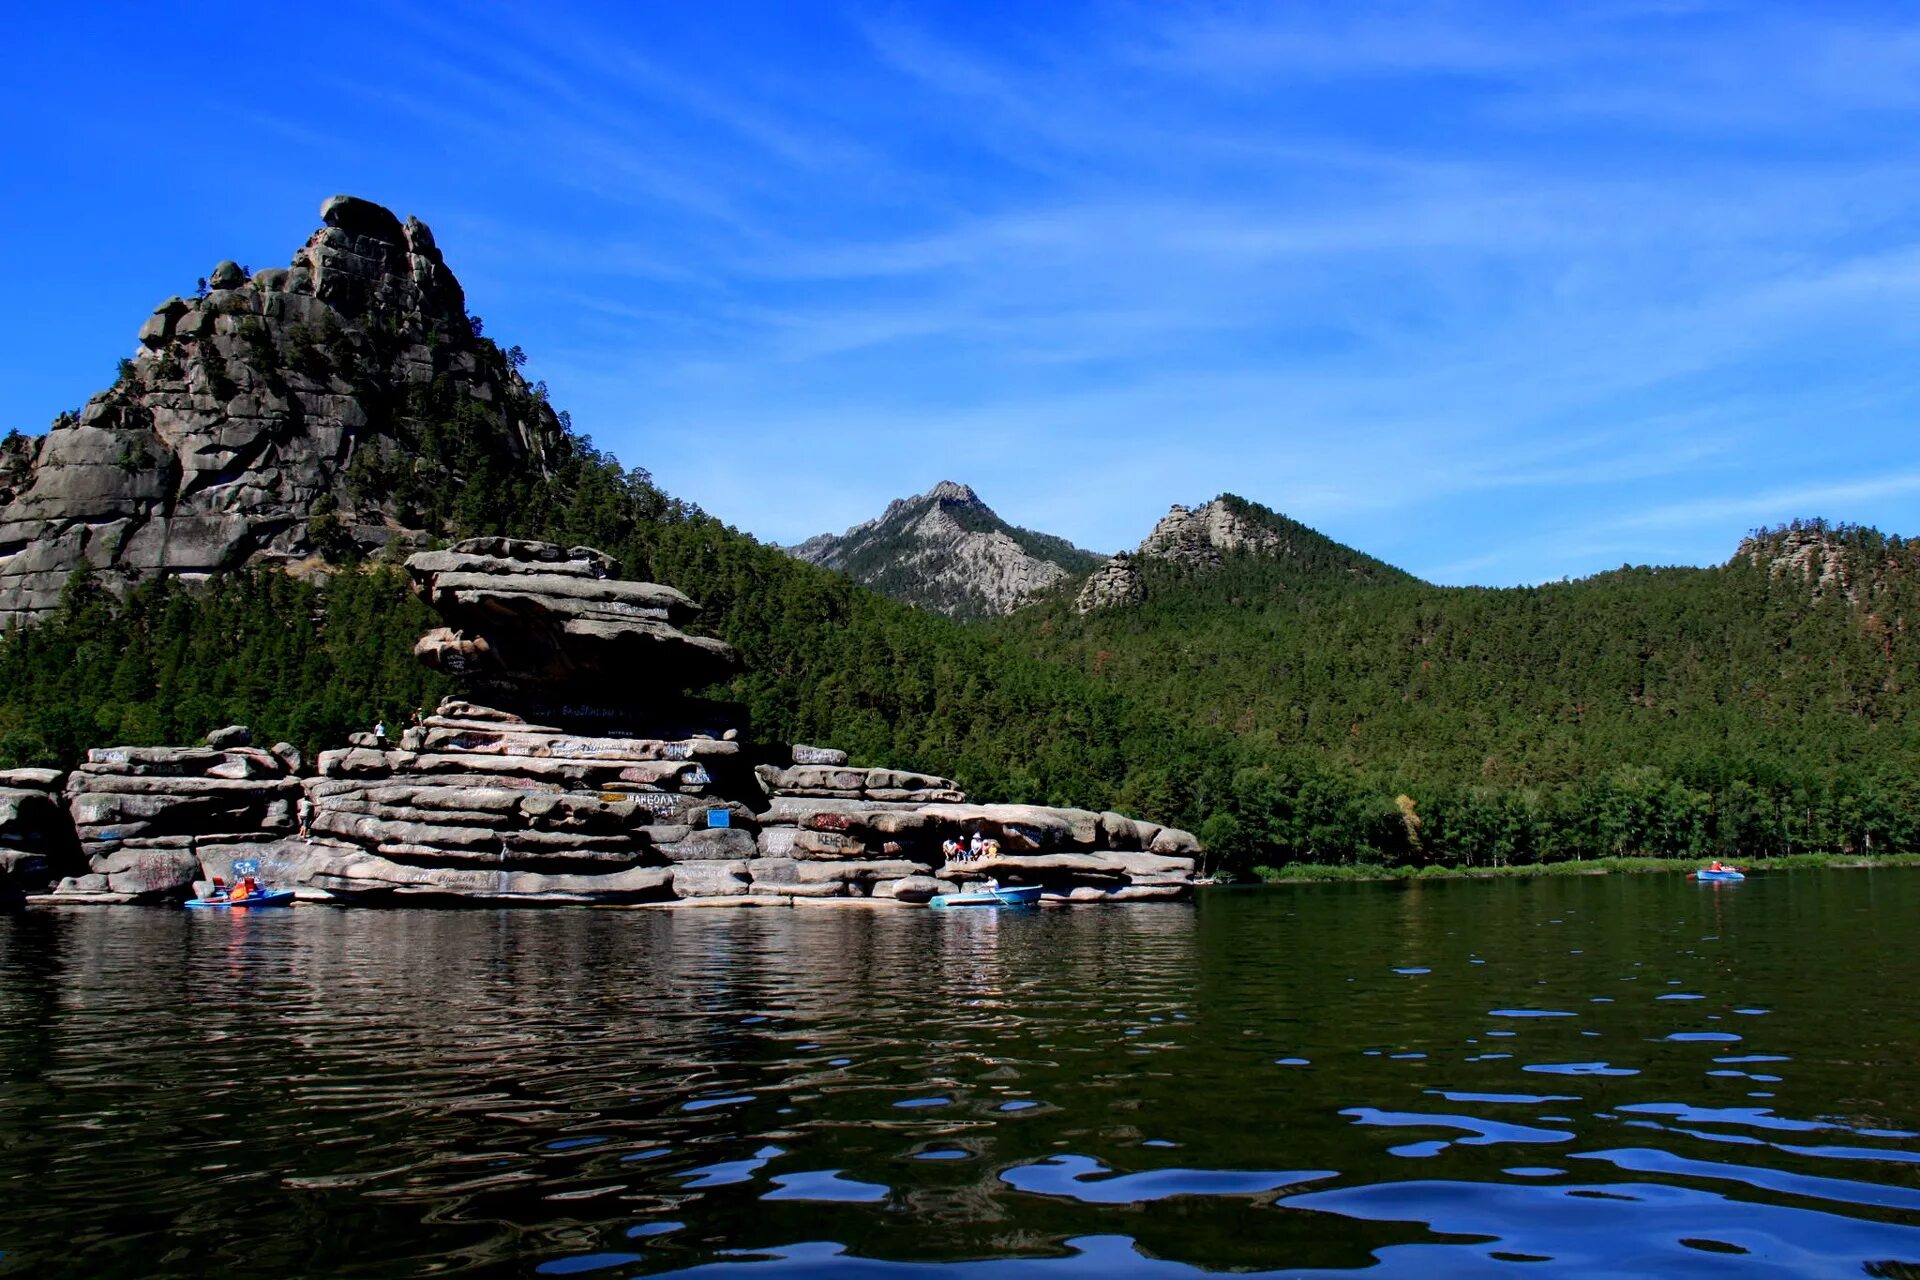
{"x": 380, "y": 733}
{"x": 306, "y": 817}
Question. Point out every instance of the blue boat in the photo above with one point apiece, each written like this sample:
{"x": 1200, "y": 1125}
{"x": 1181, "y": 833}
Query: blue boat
{"x": 992, "y": 895}
{"x": 1729, "y": 874}
{"x": 254, "y": 894}
{"x": 263, "y": 898}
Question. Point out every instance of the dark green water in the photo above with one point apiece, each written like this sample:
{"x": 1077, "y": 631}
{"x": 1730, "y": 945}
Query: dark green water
{"x": 1612, "y": 1076}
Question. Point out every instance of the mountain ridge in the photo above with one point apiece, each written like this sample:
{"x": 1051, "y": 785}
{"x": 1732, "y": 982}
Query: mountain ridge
{"x": 948, "y": 551}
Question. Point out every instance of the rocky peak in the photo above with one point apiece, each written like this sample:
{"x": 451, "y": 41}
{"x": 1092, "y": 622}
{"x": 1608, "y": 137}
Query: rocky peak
{"x": 947, "y": 550}
{"x": 1198, "y": 538}
{"x": 1853, "y": 560}
{"x": 301, "y": 414}
{"x": 955, "y": 492}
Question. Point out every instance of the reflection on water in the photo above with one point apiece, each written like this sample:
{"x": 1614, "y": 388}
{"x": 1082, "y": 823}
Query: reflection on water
{"x": 1625, "y": 1075}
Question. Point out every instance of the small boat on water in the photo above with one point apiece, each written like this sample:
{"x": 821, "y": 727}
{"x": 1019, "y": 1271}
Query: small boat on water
{"x": 990, "y": 895}
{"x": 247, "y": 893}
{"x": 263, "y": 898}
{"x": 1717, "y": 873}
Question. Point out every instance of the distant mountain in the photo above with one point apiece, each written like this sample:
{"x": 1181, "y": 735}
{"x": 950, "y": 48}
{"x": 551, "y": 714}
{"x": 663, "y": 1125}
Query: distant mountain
{"x": 1200, "y": 541}
{"x": 947, "y": 551}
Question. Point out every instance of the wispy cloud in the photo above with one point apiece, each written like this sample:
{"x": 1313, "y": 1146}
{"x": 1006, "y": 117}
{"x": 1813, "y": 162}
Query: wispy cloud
{"x": 1766, "y": 506}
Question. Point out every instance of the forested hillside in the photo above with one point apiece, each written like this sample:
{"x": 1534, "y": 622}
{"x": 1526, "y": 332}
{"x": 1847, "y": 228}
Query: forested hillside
{"x": 1765, "y": 706}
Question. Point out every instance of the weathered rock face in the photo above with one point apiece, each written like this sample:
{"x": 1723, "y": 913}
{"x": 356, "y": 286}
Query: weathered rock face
{"x": 262, "y": 420}
{"x": 1194, "y": 540}
{"x": 947, "y": 551}
{"x": 1117, "y": 582}
{"x": 36, "y": 839}
{"x": 148, "y": 818}
{"x": 529, "y": 619}
{"x": 1198, "y": 541}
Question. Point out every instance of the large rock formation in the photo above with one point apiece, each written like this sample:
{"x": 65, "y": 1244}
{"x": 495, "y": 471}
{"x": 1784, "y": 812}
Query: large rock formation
{"x": 1115, "y": 583}
{"x": 529, "y": 620}
{"x": 947, "y": 551}
{"x": 267, "y": 418}
{"x": 36, "y": 839}
{"x": 149, "y": 819}
{"x": 586, "y": 774}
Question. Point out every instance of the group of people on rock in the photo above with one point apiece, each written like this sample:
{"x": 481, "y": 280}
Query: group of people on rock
{"x": 971, "y": 850}
{"x": 380, "y": 740}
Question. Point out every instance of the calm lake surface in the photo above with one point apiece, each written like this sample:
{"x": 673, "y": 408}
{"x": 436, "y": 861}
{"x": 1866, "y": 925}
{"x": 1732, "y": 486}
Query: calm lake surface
{"x": 1630, "y": 1075}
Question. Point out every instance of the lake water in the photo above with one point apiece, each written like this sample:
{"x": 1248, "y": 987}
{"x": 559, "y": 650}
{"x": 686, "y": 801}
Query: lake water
{"x": 1632, "y": 1075}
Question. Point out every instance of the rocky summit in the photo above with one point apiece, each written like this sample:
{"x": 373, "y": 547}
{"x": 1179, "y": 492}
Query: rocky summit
{"x": 947, "y": 551}
{"x": 296, "y": 414}
{"x": 572, "y": 766}
{"x": 1200, "y": 539}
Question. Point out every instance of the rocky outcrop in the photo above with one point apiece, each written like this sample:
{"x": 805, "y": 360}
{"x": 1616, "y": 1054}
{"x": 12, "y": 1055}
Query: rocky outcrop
{"x": 36, "y": 839}
{"x": 1855, "y": 563}
{"x": 947, "y": 551}
{"x": 532, "y": 620}
{"x": 1115, "y": 583}
{"x": 1200, "y": 540}
{"x": 149, "y": 819}
{"x": 638, "y": 797}
{"x": 275, "y": 416}
{"x": 620, "y": 790}
{"x": 1197, "y": 539}
{"x": 488, "y": 803}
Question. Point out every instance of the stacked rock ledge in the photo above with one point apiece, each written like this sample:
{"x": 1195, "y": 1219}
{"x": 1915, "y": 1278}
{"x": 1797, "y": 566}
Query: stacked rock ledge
{"x": 546, "y": 780}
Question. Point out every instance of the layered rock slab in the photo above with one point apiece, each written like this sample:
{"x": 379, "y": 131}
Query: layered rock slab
{"x": 533, "y": 620}
{"x": 147, "y": 819}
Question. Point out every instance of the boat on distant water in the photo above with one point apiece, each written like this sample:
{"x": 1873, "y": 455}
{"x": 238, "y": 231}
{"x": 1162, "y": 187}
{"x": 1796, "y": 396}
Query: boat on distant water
{"x": 1722, "y": 874}
{"x": 991, "y": 895}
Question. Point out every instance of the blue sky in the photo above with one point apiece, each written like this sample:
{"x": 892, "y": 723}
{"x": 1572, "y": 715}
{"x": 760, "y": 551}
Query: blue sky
{"x": 1497, "y": 292}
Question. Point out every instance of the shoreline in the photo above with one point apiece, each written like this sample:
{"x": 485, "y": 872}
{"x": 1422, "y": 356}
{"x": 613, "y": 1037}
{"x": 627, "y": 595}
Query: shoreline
{"x": 1331, "y": 873}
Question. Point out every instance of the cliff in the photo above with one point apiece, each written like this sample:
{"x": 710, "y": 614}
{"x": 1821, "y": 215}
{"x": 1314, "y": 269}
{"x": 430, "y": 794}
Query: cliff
{"x": 948, "y": 551}
{"x": 303, "y": 414}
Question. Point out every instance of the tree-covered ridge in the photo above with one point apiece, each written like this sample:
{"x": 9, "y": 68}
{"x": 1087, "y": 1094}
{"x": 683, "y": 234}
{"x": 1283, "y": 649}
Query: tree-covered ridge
{"x": 1306, "y": 552}
{"x": 1736, "y": 709}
